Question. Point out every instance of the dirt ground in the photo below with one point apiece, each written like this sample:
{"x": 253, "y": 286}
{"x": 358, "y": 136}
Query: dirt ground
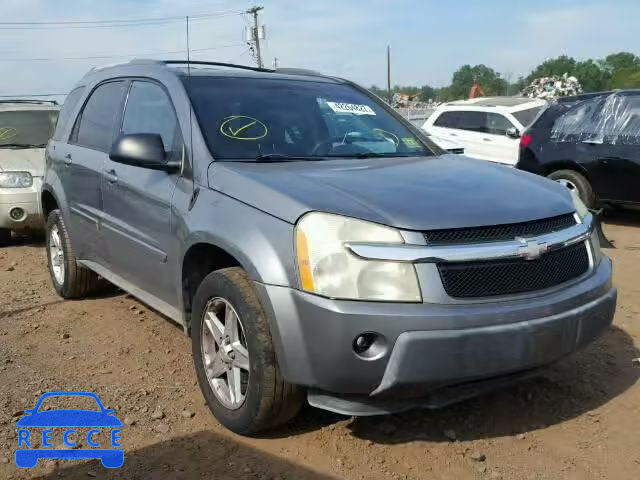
{"x": 581, "y": 420}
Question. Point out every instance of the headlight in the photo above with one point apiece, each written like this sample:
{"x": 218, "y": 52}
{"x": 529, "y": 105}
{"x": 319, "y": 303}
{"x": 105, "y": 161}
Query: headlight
{"x": 15, "y": 180}
{"x": 327, "y": 268}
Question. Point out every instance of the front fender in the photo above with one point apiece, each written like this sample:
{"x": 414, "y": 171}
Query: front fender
{"x": 261, "y": 243}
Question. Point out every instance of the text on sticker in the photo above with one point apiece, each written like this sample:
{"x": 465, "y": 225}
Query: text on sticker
{"x": 351, "y": 108}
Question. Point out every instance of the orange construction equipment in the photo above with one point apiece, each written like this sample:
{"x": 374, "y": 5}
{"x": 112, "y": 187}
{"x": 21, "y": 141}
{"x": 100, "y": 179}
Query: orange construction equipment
{"x": 476, "y": 91}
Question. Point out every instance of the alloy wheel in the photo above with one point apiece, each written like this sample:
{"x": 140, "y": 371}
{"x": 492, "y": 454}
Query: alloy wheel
{"x": 56, "y": 252}
{"x": 224, "y": 353}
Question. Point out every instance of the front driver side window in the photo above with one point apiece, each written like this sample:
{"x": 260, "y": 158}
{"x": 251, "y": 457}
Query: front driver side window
{"x": 149, "y": 110}
{"x": 498, "y": 124}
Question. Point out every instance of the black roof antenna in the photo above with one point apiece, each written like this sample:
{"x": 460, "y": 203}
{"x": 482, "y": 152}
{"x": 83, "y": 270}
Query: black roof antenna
{"x": 194, "y": 190}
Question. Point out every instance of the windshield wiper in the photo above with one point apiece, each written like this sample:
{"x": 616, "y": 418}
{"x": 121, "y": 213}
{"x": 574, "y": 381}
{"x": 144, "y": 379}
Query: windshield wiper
{"x": 281, "y": 157}
{"x": 374, "y": 155}
{"x": 22, "y": 145}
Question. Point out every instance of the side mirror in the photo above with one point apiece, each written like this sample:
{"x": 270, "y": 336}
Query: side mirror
{"x": 144, "y": 150}
{"x": 513, "y": 132}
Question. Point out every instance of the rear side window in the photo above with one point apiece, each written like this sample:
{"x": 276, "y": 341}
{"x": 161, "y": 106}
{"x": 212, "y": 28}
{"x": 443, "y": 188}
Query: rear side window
{"x": 149, "y": 110}
{"x": 447, "y": 120}
{"x": 582, "y": 121}
{"x": 69, "y": 106}
{"x": 96, "y": 124}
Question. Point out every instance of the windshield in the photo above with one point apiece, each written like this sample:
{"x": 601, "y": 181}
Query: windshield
{"x": 246, "y": 118}
{"x": 526, "y": 117}
{"x": 29, "y": 128}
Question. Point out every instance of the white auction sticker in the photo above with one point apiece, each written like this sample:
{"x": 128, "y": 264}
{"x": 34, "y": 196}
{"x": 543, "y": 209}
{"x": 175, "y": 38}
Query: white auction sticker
{"x": 351, "y": 108}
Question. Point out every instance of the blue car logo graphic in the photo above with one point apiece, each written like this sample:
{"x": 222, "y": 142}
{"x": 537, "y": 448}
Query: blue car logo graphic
{"x": 69, "y": 418}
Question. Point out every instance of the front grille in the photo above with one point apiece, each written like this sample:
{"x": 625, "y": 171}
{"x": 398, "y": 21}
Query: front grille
{"x": 498, "y": 233}
{"x": 504, "y": 277}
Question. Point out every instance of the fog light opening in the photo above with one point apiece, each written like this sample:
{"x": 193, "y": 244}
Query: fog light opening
{"x": 17, "y": 214}
{"x": 369, "y": 345}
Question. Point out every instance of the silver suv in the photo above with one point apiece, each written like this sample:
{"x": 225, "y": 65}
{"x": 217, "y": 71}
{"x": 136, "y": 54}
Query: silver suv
{"x": 313, "y": 243}
{"x": 25, "y": 128}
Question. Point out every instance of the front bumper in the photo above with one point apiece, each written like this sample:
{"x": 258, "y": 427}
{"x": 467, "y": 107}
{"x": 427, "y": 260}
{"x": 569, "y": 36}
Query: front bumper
{"x": 26, "y": 199}
{"x": 431, "y": 346}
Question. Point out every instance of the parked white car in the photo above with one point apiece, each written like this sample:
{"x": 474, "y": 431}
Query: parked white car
{"x": 25, "y": 128}
{"x": 488, "y": 128}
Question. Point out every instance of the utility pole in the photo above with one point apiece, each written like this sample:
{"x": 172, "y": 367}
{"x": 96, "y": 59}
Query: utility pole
{"x": 389, "y": 96}
{"x": 255, "y": 33}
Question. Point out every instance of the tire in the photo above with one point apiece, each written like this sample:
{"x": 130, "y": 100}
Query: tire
{"x": 5, "y": 237}
{"x": 75, "y": 280}
{"x": 579, "y": 182}
{"x": 268, "y": 401}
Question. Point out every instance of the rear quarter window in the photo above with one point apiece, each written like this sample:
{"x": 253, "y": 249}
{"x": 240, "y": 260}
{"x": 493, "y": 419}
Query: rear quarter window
{"x": 526, "y": 117}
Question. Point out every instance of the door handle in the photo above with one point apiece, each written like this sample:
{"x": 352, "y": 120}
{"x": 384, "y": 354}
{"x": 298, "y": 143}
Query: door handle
{"x": 453, "y": 134}
{"x": 111, "y": 175}
{"x": 67, "y": 159}
{"x": 487, "y": 140}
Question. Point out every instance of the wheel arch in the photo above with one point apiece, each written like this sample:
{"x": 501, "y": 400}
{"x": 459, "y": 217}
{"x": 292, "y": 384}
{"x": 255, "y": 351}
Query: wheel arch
{"x": 566, "y": 165}
{"x": 202, "y": 257}
{"x": 48, "y": 202}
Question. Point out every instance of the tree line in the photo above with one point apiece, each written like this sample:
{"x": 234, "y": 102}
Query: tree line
{"x": 617, "y": 70}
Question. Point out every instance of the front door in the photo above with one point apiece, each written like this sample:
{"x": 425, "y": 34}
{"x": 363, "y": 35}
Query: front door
{"x": 503, "y": 148}
{"x": 137, "y": 201}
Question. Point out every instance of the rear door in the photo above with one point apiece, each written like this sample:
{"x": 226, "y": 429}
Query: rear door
{"x": 137, "y": 201}
{"x": 83, "y": 158}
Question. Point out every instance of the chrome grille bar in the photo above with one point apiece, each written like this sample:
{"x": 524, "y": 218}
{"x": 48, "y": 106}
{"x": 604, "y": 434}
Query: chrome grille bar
{"x": 529, "y": 248}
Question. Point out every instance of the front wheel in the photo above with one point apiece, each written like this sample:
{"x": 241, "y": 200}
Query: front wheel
{"x": 576, "y": 181}
{"x": 234, "y": 357}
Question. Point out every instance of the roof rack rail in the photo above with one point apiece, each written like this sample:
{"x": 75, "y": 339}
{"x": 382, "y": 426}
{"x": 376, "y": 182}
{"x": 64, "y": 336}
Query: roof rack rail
{"x": 217, "y": 64}
{"x": 299, "y": 71}
{"x": 26, "y": 100}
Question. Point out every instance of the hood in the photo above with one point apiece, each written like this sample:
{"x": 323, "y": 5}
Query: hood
{"x": 22, "y": 160}
{"x": 448, "y": 191}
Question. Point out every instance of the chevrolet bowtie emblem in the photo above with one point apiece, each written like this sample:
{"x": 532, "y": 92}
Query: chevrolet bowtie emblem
{"x": 531, "y": 249}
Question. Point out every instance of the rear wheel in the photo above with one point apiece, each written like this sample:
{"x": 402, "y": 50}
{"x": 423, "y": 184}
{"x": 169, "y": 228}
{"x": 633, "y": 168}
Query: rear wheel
{"x": 234, "y": 356}
{"x": 69, "y": 278}
{"x": 5, "y": 237}
{"x": 576, "y": 181}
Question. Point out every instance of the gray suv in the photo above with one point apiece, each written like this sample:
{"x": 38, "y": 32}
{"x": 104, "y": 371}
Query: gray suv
{"x": 313, "y": 243}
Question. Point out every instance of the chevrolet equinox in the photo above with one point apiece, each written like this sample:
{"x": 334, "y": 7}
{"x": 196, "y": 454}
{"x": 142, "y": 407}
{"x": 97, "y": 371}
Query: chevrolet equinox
{"x": 314, "y": 244}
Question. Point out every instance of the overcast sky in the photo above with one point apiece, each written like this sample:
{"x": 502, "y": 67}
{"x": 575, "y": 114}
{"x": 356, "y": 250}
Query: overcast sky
{"x": 429, "y": 38}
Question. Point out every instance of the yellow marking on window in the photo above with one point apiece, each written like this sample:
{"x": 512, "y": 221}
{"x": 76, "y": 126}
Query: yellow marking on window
{"x": 7, "y": 133}
{"x": 233, "y": 126}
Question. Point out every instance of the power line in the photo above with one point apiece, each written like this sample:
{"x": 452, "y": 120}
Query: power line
{"x": 103, "y": 57}
{"x": 112, "y": 23}
{"x": 234, "y": 59}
